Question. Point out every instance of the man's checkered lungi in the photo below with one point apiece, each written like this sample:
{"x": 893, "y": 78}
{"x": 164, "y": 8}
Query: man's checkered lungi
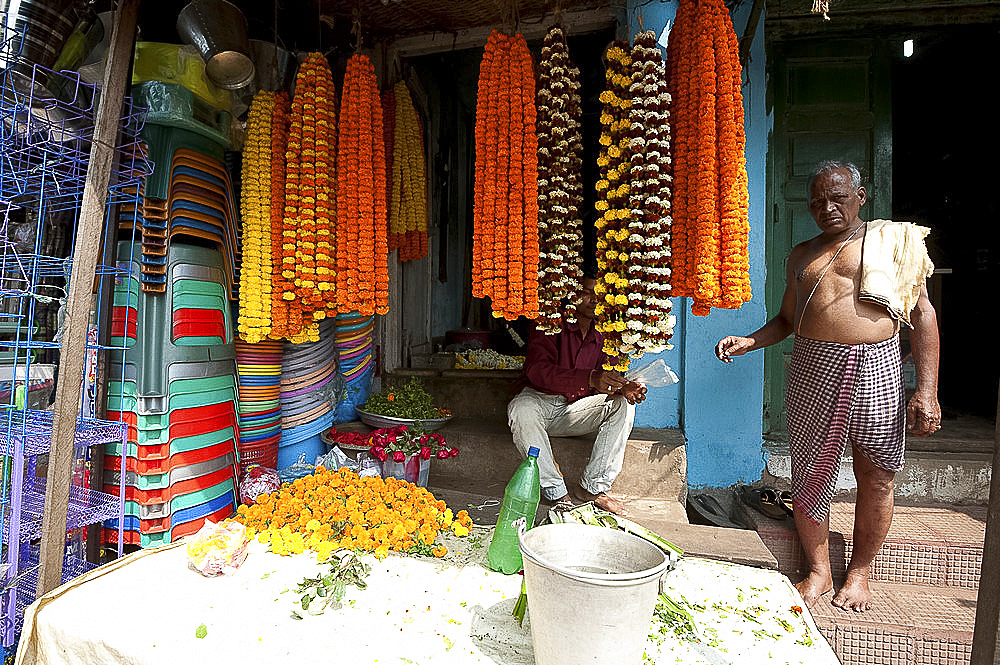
{"x": 839, "y": 393}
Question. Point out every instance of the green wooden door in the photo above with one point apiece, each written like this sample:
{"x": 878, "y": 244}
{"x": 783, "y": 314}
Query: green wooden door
{"x": 832, "y": 100}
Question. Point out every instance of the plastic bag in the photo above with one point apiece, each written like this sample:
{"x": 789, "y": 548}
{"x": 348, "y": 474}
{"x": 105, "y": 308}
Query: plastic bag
{"x": 218, "y": 549}
{"x": 258, "y": 480}
{"x": 300, "y": 469}
{"x": 654, "y": 375}
{"x": 336, "y": 459}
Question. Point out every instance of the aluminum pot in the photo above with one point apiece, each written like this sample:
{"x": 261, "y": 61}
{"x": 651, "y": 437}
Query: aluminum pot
{"x": 275, "y": 66}
{"x": 218, "y": 29}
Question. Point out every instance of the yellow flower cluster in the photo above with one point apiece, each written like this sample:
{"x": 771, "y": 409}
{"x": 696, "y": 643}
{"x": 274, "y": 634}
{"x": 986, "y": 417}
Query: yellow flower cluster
{"x": 408, "y": 212}
{"x": 333, "y": 510}
{"x": 254, "y": 322}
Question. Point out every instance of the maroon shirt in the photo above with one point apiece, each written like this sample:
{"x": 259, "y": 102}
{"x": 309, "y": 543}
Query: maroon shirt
{"x": 561, "y": 364}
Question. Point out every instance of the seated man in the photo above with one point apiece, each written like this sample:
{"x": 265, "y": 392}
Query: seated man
{"x": 565, "y": 392}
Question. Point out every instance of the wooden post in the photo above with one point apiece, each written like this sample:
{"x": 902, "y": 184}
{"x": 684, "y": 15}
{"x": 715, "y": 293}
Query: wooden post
{"x": 80, "y": 297}
{"x": 985, "y": 646}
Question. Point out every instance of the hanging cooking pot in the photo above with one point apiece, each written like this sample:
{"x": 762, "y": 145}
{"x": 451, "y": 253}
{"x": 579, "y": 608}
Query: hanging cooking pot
{"x": 275, "y": 66}
{"x": 218, "y": 29}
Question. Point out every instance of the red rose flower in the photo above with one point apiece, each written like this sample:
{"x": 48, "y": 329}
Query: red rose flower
{"x": 443, "y": 454}
{"x": 453, "y": 452}
{"x": 380, "y": 453}
{"x": 399, "y": 456}
{"x": 425, "y": 453}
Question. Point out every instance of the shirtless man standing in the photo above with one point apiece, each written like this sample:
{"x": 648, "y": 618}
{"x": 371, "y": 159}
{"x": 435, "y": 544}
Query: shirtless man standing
{"x": 844, "y": 384}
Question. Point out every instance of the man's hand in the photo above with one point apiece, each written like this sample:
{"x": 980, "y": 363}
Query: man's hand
{"x": 606, "y": 382}
{"x": 633, "y": 392}
{"x": 923, "y": 415}
{"x": 733, "y": 346}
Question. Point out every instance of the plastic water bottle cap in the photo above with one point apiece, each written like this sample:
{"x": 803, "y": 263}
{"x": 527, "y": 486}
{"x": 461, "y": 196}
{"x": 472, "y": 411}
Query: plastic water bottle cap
{"x": 532, "y": 451}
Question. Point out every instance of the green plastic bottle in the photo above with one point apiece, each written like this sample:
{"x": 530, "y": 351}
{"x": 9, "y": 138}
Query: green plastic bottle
{"x": 520, "y": 499}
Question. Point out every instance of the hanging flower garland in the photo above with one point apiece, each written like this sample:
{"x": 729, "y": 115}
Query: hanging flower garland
{"x": 711, "y": 228}
{"x": 279, "y": 145}
{"x": 560, "y": 187}
{"x": 254, "y": 320}
{"x": 389, "y": 136}
{"x": 613, "y": 204}
{"x": 505, "y": 207}
{"x": 649, "y": 323}
{"x": 362, "y": 244}
{"x": 408, "y": 219}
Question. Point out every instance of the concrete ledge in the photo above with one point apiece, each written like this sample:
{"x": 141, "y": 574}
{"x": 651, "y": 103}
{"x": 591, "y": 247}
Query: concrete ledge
{"x": 709, "y": 542}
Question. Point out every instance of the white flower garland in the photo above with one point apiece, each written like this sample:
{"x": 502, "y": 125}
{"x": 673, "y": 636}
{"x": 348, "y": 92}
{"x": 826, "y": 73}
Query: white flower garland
{"x": 560, "y": 185}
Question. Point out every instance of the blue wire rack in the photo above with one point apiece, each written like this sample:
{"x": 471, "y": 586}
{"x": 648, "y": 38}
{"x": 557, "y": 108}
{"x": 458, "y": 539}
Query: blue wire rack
{"x": 45, "y": 143}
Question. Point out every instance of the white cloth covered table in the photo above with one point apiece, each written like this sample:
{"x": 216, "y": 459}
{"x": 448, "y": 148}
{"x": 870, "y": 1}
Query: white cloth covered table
{"x": 145, "y": 609}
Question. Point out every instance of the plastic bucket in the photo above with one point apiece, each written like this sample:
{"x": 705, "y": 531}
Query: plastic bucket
{"x": 601, "y": 582}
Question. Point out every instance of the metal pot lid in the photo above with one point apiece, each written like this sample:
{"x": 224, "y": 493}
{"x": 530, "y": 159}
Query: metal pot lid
{"x": 230, "y": 70}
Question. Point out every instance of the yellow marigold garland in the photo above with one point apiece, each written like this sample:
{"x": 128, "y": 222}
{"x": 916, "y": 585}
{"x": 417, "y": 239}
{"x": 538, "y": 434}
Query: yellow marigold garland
{"x": 254, "y": 320}
{"x": 711, "y": 229}
{"x": 613, "y": 204}
{"x": 408, "y": 218}
{"x": 279, "y": 144}
{"x": 560, "y": 184}
{"x": 333, "y": 510}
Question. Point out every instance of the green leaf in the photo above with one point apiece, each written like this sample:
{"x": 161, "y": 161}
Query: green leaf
{"x": 305, "y": 600}
{"x": 201, "y": 631}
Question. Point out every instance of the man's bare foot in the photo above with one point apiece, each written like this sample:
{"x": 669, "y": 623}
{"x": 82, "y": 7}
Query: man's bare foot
{"x": 814, "y": 586}
{"x": 602, "y": 501}
{"x": 855, "y": 594}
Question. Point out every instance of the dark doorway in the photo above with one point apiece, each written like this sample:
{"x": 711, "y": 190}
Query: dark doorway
{"x": 945, "y": 143}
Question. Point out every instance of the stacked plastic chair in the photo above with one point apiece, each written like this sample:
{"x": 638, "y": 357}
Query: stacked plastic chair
{"x": 309, "y": 384}
{"x": 354, "y": 347}
{"x": 259, "y": 370}
{"x": 178, "y": 384}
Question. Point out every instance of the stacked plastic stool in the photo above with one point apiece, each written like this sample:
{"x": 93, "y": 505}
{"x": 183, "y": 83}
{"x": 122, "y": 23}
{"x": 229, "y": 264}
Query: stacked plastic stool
{"x": 259, "y": 370}
{"x": 309, "y": 382}
{"x": 354, "y": 347}
{"x": 177, "y": 381}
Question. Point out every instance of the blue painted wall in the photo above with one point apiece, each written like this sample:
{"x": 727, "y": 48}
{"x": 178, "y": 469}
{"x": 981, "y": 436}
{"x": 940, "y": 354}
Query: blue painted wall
{"x": 718, "y": 406}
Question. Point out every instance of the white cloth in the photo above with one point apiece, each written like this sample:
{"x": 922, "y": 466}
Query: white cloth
{"x": 533, "y": 416}
{"x": 894, "y": 265}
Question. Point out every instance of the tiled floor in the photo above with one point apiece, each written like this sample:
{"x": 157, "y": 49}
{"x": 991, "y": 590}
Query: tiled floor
{"x": 925, "y": 585}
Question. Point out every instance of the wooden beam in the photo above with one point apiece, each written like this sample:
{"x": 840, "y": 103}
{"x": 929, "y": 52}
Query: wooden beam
{"x": 80, "y": 296}
{"x": 985, "y": 645}
{"x": 574, "y": 22}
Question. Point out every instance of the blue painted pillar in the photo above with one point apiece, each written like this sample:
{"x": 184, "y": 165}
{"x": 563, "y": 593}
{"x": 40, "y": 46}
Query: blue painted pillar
{"x": 719, "y": 406}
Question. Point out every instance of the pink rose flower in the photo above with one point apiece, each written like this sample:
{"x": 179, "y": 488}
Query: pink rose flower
{"x": 399, "y": 456}
{"x": 453, "y": 452}
{"x": 425, "y": 453}
{"x": 380, "y": 453}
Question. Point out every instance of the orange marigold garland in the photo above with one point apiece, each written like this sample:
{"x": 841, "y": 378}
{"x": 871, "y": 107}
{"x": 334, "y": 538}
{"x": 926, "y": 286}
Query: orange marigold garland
{"x": 279, "y": 144}
{"x": 362, "y": 244}
{"x": 711, "y": 229}
{"x": 254, "y": 321}
{"x": 389, "y": 136}
{"x": 560, "y": 185}
{"x": 505, "y": 210}
{"x": 408, "y": 218}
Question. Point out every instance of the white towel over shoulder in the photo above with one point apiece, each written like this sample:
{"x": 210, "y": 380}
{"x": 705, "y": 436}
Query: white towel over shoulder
{"x": 894, "y": 265}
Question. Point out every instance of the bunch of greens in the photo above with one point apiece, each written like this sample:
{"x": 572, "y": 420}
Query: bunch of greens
{"x": 406, "y": 401}
{"x": 346, "y": 567}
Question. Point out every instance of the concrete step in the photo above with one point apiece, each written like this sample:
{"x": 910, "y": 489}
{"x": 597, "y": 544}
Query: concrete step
{"x": 908, "y": 624}
{"x": 468, "y": 393}
{"x": 937, "y": 546}
{"x": 655, "y": 461}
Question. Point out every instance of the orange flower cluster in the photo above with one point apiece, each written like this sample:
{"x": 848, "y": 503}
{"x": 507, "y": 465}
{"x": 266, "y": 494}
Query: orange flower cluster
{"x": 389, "y": 135}
{"x": 710, "y": 227}
{"x": 310, "y": 216}
{"x": 362, "y": 243}
{"x": 505, "y": 206}
{"x": 332, "y": 510}
{"x": 408, "y": 220}
{"x": 279, "y": 144}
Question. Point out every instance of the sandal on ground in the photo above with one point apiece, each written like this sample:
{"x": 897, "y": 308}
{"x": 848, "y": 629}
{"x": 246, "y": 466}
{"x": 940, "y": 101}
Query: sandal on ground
{"x": 708, "y": 508}
{"x": 766, "y": 501}
{"x": 785, "y": 501}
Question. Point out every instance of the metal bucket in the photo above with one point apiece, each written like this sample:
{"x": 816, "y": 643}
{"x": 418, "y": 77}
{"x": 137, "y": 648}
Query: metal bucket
{"x": 599, "y": 583}
{"x": 218, "y": 29}
{"x": 275, "y": 66}
{"x": 45, "y": 25}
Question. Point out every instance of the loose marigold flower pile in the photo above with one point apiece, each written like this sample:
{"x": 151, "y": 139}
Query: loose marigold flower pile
{"x": 505, "y": 204}
{"x": 560, "y": 184}
{"x": 331, "y": 510}
{"x": 710, "y": 226}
